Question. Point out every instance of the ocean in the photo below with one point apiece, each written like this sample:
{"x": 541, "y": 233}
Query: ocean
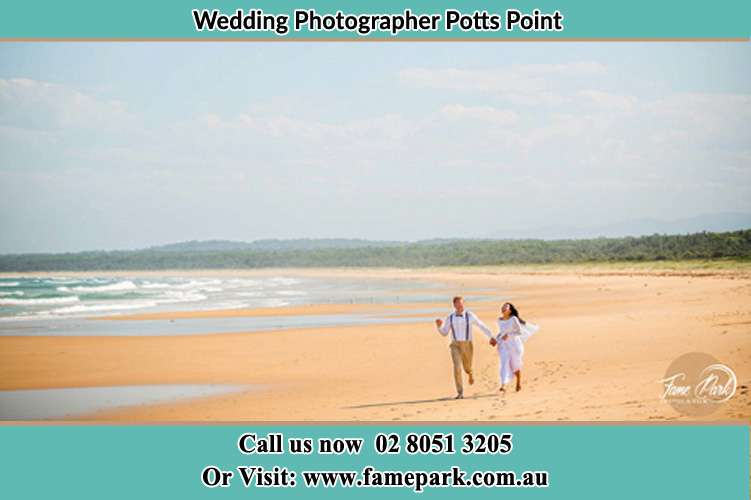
{"x": 60, "y": 305}
{"x": 58, "y": 297}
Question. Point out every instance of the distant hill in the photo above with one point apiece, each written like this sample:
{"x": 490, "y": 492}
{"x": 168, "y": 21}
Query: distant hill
{"x": 271, "y": 244}
{"x": 202, "y": 246}
{"x": 717, "y": 223}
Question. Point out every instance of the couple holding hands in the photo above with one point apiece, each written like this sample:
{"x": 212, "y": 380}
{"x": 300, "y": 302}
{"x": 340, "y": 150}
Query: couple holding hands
{"x": 509, "y": 341}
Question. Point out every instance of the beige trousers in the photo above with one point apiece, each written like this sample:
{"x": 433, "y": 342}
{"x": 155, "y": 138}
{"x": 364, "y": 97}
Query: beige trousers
{"x": 461, "y": 357}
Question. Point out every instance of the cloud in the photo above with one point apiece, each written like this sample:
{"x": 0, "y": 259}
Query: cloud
{"x": 480, "y": 113}
{"x": 39, "y": 105}
{"x": 523, "y": 84}
{"x": 608, "y": 100}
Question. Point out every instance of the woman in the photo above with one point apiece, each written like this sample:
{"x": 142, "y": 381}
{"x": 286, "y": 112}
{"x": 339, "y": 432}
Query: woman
{"x": 512, "y": 333}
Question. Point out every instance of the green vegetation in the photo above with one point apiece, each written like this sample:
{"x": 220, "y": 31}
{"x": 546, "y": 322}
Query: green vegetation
{"x": 704, "y": 246}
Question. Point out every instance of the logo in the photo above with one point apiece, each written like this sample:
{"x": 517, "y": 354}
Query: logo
{"x": 697, "y": 384}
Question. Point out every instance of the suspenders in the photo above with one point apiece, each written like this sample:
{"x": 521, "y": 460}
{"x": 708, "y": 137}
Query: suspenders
{"x": 466, "y": 324}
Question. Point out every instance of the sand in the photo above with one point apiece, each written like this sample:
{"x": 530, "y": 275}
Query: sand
{"x": 607, "y": 338}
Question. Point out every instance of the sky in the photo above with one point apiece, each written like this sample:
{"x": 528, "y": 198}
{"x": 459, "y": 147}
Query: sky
{"x": 129, "y": 145}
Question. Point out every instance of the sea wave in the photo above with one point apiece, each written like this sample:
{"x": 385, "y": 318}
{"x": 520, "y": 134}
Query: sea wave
{"x": 281, "y": 281}
{"x": 273, "y": 303}
{"x": 152, "y": 285}
{"x": 120, "y": 286}
{"x": 40, "y": 301}
{"x": 198, "y": 284}
{"x": 61, "y": 296}
{"x": 101, "y": 308}
{"x": 204, "y": 285}
{"x": 241, "y": 282}
{"x": 227, "y": 305}
{"x": 175, "y": 297}
{"x": 291, "y": 293}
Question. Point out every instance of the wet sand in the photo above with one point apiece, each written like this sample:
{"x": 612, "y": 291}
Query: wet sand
{"x": 607, "y": 337}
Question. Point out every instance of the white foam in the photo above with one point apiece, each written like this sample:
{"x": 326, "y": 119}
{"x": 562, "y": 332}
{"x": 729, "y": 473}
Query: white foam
{"x": 174, "y": 297}
{"x": 227, "y": 305}
{"x": 291, "y": 293}
{"x": 198, "y": 284}
{"x": 281, "y": 281}
{"x": 150, "y": 285}
{"x": 239, "y": 282}
{"x": 101, "y": 307}
{"x": 9, "y": 283}
{"x": 32, "y": 302}
{"x": 204, "y": 285}
{"x": 273, "y": 303}
{"x": 114, "y": 287}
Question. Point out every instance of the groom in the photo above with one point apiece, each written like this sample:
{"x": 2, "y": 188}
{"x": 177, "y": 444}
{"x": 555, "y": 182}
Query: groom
{"x": 460, "y": 323}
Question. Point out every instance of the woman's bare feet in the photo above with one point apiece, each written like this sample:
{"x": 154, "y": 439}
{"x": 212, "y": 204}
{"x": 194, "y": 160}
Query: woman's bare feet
{"x": 502, "y": 389}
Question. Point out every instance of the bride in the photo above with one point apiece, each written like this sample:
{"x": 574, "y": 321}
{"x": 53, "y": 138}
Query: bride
{"x": 512, "y": 333}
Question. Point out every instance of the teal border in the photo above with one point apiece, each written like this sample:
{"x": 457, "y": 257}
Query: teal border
{"x": 172, "y": 19}
{"x": 624, "y": 461}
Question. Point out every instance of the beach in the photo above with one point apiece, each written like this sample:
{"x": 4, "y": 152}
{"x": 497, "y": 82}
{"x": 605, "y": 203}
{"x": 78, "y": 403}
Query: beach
{"x": 607, "y": 338}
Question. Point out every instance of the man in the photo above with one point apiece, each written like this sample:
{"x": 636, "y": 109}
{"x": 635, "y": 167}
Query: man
{"x": 460, "y": 323}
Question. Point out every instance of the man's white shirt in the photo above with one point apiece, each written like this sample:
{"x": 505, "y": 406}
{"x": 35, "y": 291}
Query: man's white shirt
{"x": 462, "y": 330}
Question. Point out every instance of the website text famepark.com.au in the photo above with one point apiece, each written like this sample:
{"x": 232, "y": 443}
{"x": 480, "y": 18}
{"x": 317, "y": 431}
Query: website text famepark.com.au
{"x": 418, "y": 480}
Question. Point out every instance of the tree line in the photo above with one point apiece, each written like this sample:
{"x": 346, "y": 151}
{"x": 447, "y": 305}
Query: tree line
{"x": 705, "y": 245}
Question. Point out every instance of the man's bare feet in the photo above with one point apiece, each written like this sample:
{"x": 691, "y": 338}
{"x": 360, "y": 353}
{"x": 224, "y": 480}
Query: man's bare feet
{"x": 502, "y": 389}
{"x": 459, "y": 396}
{"x": 471, "y": 379}
{"x": 518, "y": 386}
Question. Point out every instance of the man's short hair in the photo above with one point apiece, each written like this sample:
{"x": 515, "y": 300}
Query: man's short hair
{"x": 458, "y": 297}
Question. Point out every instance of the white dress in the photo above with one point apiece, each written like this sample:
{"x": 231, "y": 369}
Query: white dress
{"x": 511, "y": 350}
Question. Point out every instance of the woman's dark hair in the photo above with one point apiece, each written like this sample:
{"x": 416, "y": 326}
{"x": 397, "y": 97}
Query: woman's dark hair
{"x": 514, "y": 312}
